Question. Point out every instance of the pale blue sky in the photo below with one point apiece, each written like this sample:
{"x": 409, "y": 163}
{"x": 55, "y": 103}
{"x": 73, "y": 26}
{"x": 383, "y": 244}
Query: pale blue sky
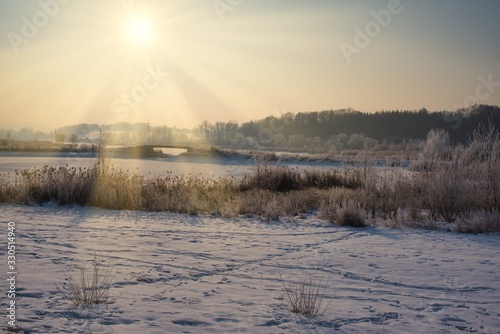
{"x": 258, "y": 58}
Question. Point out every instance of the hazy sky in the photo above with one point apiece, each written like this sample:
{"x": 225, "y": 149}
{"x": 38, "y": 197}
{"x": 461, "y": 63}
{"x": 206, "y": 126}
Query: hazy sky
{"x": 182, "y": 62}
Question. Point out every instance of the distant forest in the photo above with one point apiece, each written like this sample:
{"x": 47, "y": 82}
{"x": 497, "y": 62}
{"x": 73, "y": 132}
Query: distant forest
{"x": 392, "y": 126}
{"x": 350, "y": 129}
{"x": 323, "y": 131}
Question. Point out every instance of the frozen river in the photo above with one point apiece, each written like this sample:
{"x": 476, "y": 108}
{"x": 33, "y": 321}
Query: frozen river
{"x": 177, "y": 165}
{"x": 147, "y": 167}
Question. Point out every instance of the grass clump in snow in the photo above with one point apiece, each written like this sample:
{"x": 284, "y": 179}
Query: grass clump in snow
{"x": 92, "y": 288}
{"x": 306, "y": 296}
{"x": 350, "y": 215}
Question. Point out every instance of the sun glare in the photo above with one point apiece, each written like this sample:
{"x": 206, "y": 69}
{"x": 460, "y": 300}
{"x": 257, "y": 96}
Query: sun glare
{"x": 140, "y": 30}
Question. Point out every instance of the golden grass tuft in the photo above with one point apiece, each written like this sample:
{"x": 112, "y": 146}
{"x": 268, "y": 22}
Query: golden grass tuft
{"x": 92, "y": 288}
{"x": 306, "y": 296}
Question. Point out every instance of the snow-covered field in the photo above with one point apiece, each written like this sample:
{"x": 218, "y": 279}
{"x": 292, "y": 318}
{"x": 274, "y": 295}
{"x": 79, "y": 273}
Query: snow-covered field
{"x": 201, "y": 274}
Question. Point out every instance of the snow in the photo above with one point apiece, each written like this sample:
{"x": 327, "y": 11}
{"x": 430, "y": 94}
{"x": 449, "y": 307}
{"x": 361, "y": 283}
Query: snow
{"x": 206, "y": 274}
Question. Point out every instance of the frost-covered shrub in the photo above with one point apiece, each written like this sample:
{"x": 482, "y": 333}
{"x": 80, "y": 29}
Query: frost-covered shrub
{"x": 350, "y": 215}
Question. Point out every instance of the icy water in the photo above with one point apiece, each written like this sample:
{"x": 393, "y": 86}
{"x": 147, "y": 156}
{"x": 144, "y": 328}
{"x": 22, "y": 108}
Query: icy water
{"x": 176, "y": 165}
{"x": 146, "y": 167}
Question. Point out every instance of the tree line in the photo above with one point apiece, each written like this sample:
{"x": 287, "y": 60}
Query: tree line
{"x": 350, "y": 129}
{"x": 320, "y": 131}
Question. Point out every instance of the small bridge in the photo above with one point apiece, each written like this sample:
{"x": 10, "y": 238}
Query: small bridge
{"x": 184, "y": 146}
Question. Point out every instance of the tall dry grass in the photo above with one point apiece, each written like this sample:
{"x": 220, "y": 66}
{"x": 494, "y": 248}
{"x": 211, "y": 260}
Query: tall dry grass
{"x": 90, "y": 289}
{"x": 66, "y": 185}
{"x": 306, "y": 296}
{"x": 285, "y": 179}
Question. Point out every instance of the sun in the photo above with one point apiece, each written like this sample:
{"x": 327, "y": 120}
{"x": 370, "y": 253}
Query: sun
{"x": 140, "y": 30}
